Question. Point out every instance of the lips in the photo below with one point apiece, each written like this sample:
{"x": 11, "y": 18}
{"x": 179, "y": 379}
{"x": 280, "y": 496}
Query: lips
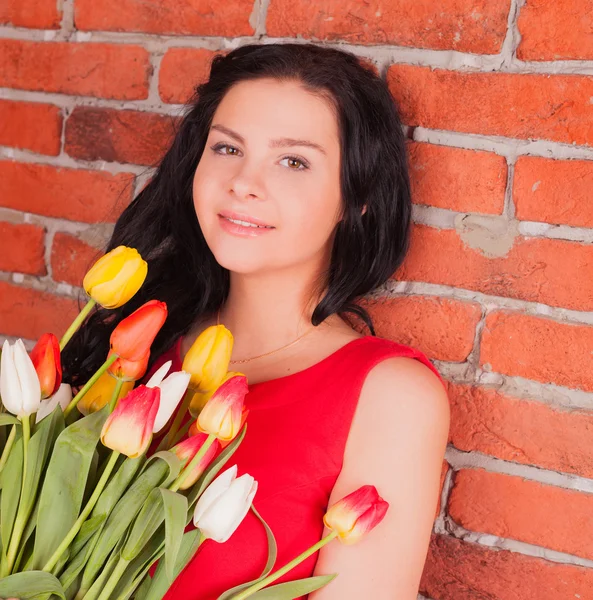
{"x": 240, "y": 217}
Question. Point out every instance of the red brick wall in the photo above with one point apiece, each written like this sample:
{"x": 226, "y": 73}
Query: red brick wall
{"x": 497, "y": 100}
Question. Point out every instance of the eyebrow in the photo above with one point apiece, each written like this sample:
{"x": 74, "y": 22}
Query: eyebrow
{"x": 279, "y": 143}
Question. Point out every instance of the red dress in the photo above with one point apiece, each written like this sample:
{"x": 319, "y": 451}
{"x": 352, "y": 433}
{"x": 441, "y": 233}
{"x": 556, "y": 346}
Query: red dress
{"x": 297, "y": 429}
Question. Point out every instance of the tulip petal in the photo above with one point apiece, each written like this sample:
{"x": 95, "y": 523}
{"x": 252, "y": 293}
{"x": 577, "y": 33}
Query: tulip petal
{"x": 213, "y": 491}
{"x": 369, "y": 520}
{"x": 159, "y": 374}
{"x": 172, "y": 390}
{"x": 10, "y": 388}
{"x": 62, "y": 397}
{"x": 29, "y": 382}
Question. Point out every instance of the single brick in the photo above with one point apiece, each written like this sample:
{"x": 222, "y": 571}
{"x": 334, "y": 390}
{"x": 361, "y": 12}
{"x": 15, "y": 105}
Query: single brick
{"x": 538, "y": 348}
{"x": 31, "y": 126}
{"x": 443, "y": 329}
{"x": 74, "y": 194}
{"x": 29, "y": 313}
{"x": 533, "y": 269}
{"x": 520, "y": 509}
{"x": 22, "y": 248}
{"x": 118, "y": 71}
{"x": 182, "y": 69}
{"x": 125, "y": 136}
{"x": 185, "y": 17}
{"x": 457, "y": 179}
{"x": 520, "y": 430}
{"x": 554, "y": 191}
{"x": 462, "y": 25}
{"x": 458, "y": 570}
{"x": 562, "y": 29}
{"x": 524, "y": 106}
{"x": 38, "y": 14}
{"x": 71, "y": 258}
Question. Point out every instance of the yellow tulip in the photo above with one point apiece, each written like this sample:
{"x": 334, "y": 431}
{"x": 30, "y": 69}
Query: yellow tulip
{"x": 208, "y": 359}
{"x": 116, "y": 277}
{"x": 100, "y": 393}
{"x": 199, "y": 399}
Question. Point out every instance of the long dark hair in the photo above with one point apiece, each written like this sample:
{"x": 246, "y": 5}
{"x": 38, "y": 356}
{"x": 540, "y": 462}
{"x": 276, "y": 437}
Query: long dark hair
{"x": 161, "y": 221}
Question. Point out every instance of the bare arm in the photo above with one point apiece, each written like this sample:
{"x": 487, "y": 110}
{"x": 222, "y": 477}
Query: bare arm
{"x": 396, "y": 443}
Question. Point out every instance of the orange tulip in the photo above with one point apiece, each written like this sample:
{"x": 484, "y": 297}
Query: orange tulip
{"x": 187, "y": 449}
{"x": 224, "y": 414}
{"x": 132, "y": 337}
{"x": 129, "y": 370}
{"x": 128, "y": 429}
{"x": 356, "y": 514}
{"x": 46, "y": 359}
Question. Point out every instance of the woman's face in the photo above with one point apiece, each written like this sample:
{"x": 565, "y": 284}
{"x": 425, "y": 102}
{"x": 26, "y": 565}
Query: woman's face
{"x": 272, "y": 154}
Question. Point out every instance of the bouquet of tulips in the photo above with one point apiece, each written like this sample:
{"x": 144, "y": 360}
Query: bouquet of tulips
{"x": 98, "y": 487}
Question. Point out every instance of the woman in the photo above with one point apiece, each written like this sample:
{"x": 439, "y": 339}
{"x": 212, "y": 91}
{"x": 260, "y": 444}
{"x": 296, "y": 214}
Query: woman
{"x": 306, "y": 143}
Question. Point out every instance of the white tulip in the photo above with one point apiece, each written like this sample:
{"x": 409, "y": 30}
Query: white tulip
{"x": 19, "y": 384}
{"x": 63, "y": 397}
{"x": 172, "y": 390}
{"x": 159, "y": 374}
{"x": 224, "y": 504}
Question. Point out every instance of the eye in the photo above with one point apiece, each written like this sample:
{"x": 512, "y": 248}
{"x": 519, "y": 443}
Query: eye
{"x": 295, "y": 159}
{"x": 220, "y": 146}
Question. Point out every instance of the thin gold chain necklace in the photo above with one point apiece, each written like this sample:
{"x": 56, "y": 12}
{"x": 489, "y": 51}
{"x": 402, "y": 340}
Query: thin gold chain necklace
{"x": 267, "y": 353}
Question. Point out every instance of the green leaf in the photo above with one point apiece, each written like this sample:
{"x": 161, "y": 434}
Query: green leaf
{"x": 212, "y": 471}
{"x": 6, "y": 419}
{"x": 175, "y": 512}
{"x": 160, "y": 582}
{"x": 122, "y": 515}
{"x": 142, "y": 588}
{"x": 292, "y": 589}
{"x": 272, "y": 555}
{"x": 65, "y": 482}
{"x": 98, "y": 584}
{"x": 12, "y": 476}
{"x": 147, "y": 522}
{"x": 87, "y": 531}
{"x": 174, "y": 463}
{"x": 29, "y": 585}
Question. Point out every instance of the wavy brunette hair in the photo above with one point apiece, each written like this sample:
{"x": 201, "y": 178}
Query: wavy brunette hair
{"x": 161, "y": 221}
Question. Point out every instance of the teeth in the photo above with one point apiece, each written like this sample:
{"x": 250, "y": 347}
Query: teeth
{"x": 246, "y": 224}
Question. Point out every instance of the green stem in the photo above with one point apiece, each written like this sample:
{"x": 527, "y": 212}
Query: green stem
{"x": 21, "y": 518}
{"x": 166, "y": 442}
{"x": 89, "y": 384}
{"x": 114, "y": 579}
{"x": 115, "y": 395}
{"x": 7, "y": 447}
{"x": 192, "y": 464}
{"x": 77, "y": 323}
{"x": 293, "y": 563}
{"x": 84, "y": 514}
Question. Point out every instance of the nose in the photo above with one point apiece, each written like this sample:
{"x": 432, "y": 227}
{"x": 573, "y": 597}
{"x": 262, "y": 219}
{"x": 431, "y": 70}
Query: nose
{"x": 247, "y": 182}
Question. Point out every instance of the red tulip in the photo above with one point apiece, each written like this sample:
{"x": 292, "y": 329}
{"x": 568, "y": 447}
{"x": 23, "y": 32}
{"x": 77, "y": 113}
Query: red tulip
{"x": 356, "y": 514}
{"x": 129, "y": 370}
{"x": 46, "y": 359}
{"x": 187, "y": 449}
{"x": 128, "y": 429}
{"x": 132, "y": 337}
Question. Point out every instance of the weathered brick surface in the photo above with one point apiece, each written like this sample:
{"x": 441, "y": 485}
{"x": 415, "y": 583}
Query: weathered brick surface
{"x": 443, "y": 329}
{"x": 562, "y": 29}
{"x": 39, "y": 14}
{"x": 463, "y": 25}
{"x": 516, "y": 508}
{"x": 521, "y": 430}
{"x": 539, "y": 348}
{"x": 103, "y": 70}
{"x": 533, "y": 269}
{"x": 126, "y": 136}
{"x": 71, "y": 258}
{"x": 554, "y": 191}
{"x": 74, "y": 194}
{"x": 21, "y": 248}
{"x": 515, "y": 105}
{"x": 458, "y": 570}
{"x": 188, "y": 17}
{"x": 457, "y": 179}
{"x": 31, "y": 126}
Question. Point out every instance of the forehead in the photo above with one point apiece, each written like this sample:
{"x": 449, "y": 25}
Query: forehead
{"x": 267, "y": 108}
